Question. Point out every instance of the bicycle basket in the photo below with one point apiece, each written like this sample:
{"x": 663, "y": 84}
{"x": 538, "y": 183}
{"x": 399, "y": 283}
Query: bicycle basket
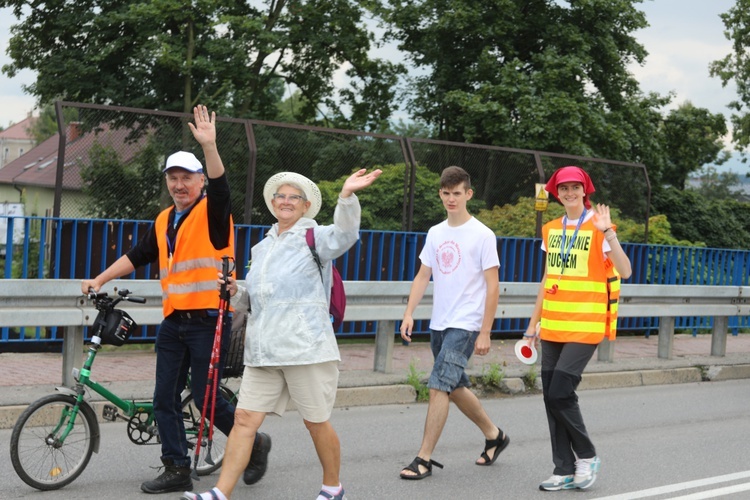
{"x": 117, "y": 327}
{"x": 235, "y": 361}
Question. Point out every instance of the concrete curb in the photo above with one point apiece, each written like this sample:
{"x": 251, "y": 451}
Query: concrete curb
{"x": 640, "y": 378}
{"x": 731, "y": 372}
{"x": 396, "y": 392}
{"x": 375, "y": 395}
{"x": 9, "y": 415}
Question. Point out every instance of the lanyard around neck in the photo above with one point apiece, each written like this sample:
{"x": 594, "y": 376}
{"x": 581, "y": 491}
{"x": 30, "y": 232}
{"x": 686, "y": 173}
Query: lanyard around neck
{"x": 567, "y": 246}
{"x": 174, "y": 222}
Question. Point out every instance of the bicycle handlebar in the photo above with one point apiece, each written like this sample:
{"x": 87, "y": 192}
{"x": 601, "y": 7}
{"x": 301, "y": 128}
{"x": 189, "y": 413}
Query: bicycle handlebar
{"x": 124, "y": 294}
{"x": 94, "y": 295}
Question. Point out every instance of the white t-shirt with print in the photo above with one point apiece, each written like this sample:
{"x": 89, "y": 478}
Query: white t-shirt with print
{"x": 458, "y": 257}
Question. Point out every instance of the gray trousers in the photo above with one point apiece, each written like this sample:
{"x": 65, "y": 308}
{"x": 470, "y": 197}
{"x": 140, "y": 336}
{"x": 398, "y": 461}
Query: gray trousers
{"x": 562, "y": 366}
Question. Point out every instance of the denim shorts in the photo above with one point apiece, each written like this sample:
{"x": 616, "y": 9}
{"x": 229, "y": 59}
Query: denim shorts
{"x": 451, "y": 349}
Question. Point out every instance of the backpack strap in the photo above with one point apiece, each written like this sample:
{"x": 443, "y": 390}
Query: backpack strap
{"x": 310, "y": 237}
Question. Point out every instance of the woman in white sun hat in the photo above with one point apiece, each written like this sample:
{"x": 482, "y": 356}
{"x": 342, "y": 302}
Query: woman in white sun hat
{"x": 290, "y": 347}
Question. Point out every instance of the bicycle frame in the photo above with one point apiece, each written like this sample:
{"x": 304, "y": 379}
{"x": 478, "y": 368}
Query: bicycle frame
{"x": 129, "y": 408}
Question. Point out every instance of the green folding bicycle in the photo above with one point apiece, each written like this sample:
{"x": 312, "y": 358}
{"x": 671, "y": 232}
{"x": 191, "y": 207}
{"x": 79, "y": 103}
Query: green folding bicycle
{"x": 54, "y": 438}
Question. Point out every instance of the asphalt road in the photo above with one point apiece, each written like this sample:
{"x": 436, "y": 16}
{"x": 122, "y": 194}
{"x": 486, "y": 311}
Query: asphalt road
{"x": 686, "y": 441}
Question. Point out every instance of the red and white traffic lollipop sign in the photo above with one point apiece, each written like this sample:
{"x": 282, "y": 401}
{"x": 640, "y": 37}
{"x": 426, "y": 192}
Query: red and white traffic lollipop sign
{"x": 525, "y": 352}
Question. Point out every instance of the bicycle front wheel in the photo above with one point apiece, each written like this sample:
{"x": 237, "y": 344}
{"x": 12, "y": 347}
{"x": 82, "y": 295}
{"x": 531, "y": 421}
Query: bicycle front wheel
{"x": 191, "y": 417}
{"x": 40, "y": 456}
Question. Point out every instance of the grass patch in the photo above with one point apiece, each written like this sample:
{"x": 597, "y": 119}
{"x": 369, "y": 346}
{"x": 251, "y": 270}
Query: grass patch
{"x": 530, "y": 378}
{"x": 415, "y": 378}
{"x": 492, "y": 375}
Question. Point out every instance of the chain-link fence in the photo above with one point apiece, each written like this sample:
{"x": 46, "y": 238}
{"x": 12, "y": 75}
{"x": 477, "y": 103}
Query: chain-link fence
{"x": 502, "y": 175}
{"x": 111, "y": 163}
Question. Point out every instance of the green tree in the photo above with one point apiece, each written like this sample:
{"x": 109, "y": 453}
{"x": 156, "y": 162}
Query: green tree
{"x": 693, "y": 138}
{"x": 232, "y": 55}
{"x": 413, "y": 129}
{"x": 532, "y": 74}
{"x": 45, "y": 125}
{"x": 118, "y": 191}
{"x": 718, "y": 223}
{"x": 289, "y": 110}
{"x": 735, "y": 67}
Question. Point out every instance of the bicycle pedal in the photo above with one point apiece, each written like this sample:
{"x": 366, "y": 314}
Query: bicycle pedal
{"x": 109, "y": 413}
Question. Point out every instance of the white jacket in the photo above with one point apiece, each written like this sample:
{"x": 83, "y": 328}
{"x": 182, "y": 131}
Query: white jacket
{"x": 289, "y": 322}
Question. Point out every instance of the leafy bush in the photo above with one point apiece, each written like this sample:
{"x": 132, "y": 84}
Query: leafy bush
{"x": 718, "y": 223}
{"x": 519, "y": 221}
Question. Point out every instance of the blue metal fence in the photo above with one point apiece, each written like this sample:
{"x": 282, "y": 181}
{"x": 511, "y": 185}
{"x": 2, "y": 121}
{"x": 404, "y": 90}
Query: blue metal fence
{"x": 81, "y": 248}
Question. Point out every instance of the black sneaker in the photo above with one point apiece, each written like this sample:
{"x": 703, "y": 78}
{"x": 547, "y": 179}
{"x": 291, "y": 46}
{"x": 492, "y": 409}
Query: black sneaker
{"x": 258, "y": 460}
{"x": 174, "y": 478}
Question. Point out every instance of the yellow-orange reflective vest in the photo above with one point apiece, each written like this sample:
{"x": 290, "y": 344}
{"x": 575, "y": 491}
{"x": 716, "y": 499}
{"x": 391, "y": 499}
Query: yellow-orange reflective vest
{"x": 188, "y": 276}
{"x": 583, "y": 307}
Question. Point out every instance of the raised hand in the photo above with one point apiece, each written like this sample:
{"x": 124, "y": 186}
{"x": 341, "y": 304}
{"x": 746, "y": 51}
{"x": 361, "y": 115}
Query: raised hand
{"x": 359, "y": 180}
{"x": 204, "y": 129}
{"x": 602, "y": 220}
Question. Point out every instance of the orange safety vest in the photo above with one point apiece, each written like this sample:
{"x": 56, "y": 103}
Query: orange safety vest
{"x": 188, "y": 279}
{"x": 584, "y": 307}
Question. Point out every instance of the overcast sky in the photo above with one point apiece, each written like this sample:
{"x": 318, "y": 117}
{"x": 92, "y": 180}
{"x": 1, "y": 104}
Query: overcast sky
{"x": 684, "y": 37}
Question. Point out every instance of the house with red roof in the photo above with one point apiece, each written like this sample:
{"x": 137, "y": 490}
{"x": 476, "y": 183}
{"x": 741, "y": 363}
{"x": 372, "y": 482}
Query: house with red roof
{"x": 32, "y": 178}
{"x": 16, "y": 140}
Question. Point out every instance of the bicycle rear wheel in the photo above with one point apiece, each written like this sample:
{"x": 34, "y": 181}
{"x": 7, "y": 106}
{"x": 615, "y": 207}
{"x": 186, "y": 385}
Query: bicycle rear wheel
{"x": 191, "y": 417}
{"x": 40, "y": 459}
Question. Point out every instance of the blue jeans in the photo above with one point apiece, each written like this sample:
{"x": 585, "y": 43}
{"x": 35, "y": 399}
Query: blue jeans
{"x": 451, "y": 349}
{"x": 182, "y": 345}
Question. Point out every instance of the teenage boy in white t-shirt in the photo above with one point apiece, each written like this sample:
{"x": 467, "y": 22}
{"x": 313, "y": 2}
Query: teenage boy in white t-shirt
{"x": 460, "y": 254}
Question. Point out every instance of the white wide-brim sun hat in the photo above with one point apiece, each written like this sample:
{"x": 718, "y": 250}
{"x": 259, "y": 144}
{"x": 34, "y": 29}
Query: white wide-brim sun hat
{"x": 311, "y": 190}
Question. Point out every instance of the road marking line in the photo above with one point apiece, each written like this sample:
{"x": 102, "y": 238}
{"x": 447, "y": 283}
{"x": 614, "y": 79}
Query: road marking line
{"x": 671, "y": 488}
{"x": 715, "y": 493}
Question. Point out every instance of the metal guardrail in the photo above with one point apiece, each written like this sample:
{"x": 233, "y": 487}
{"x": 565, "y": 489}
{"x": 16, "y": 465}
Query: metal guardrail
{"x": 26, "y": 303}
{"x": 59, "y": 248}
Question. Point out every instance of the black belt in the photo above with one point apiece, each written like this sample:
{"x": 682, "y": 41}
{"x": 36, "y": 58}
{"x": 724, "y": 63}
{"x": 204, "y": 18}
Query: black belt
{"x": 192, "y": 313}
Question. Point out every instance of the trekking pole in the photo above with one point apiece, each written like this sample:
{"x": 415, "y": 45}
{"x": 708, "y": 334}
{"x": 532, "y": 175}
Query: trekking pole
{"x": 224, "y": 299}
{"x": 213, "y": 370}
